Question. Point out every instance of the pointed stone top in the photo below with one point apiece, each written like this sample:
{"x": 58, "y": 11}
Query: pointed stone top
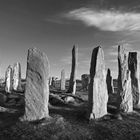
{"x": 75, "y": 47}
{"x": 33, "y": 48}
{"x": 97, "y": 59}
{"x": 17, "y": 63}
{"x": 120, "y": 48}
{"x": 9, "y": 67}
{"x": 99, "y": 46}
{"x": 36, "y": 51}
{"x": 109, "y": 71}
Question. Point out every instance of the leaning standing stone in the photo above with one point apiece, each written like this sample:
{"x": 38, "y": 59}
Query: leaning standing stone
{"x": 63, "y": 79}
{"x": 72, "y": 82}
{"x": 124, "y": 100}
{"x": 98, "y": 96}
{"x": 17, "y": 77}
{"x": 37, "y": 87}
{"x": 8, "y": 80}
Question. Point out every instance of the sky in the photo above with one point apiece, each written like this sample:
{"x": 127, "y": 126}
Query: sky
{"x": 54, "y": 26}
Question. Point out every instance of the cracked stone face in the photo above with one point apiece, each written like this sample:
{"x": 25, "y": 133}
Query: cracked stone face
{"x": 124, "y": 102}
{"x": 98, "y": 96}
{"x": 37, "y": 87}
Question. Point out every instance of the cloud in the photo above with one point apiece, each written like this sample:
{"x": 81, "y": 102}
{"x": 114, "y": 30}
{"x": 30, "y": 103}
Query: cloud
{"x": 106, "y": 20}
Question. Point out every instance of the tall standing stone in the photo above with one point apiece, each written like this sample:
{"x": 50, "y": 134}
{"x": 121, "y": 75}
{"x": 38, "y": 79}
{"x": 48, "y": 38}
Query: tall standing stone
{"x": 63, "y": 80}
{"x": 124, "y": 102}
{"x": 98, "y": 96}
{"x": 72, "y": 82}
{"x": 8, "y": 79}
{"x": 17, "y": 77}
{"x": 37, "y": 87}
{"x": 109, "y": 82}
{"x": 133, "y": 67}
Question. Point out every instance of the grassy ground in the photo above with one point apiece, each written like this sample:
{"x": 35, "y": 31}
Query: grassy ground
{"x": 70, "y": 123}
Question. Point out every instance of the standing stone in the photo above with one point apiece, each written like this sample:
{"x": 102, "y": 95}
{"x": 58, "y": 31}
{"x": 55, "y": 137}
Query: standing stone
{"x": 17, "y": 77}
{"x": 8, "y": 79}
{"x": 53, "y": 81}
{"x": 37, "y": 87}
{"x": 85, "y": 81}
{"x": 133, "y": 67}
{"x": 127, "y": 102}
{"x": 124, "y": 86}
{"x": 109, "y": 82}
{"x": 72, "y": 82}
{"x": 98, "y": 96}
{"x": 50, "y": 81}
{"x": 63, "y": 80}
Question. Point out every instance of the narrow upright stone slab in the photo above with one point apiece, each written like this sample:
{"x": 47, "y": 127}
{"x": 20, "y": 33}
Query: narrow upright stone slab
{"x": 63, "y": 80}
{"x": 85, "y": 81}
{"x": 37, "y": 87}
{"x": 72, "y": 82}
{"x": 124, "y": 91}
{"x": 98, "y": 96}
{"x": 53, "y": 82}
{"x": 50, "y": 81}
{"x": 8, "y": 79}
{"x": 127, "y": 102}
{"x": 109, "y": 82}
{"x": 17, "y": 77}
{"x": 133, "y": 67}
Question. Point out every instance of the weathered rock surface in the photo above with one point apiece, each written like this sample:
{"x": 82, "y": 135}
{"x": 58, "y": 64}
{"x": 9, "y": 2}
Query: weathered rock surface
{"x": 69, "y": 99}
{"x": 133, "y": 67}
{"x": 72, "y": 82}
{"x": 127, "y": 102}
{"x": 8, "y": 79}
{"x": 98, "y": 96}
{"x": 16, "y": 77}
{"x": 37, "y": 87}
{"x": 62, "y": 80}
{"x": 124, "y": 101}
{"x": 109, "y": 82}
